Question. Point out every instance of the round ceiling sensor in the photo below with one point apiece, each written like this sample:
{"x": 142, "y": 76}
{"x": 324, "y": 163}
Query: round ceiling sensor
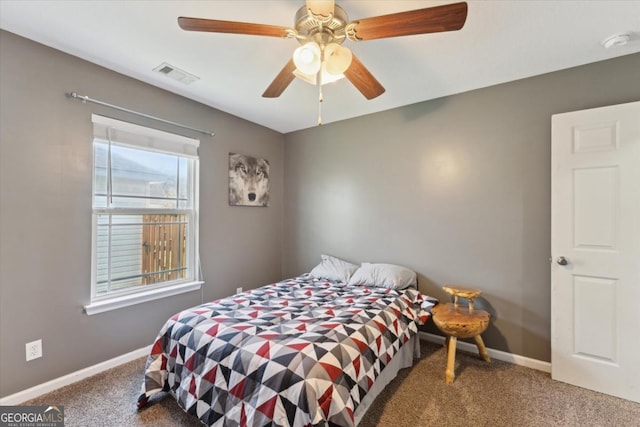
{"x": 616, "y": 40}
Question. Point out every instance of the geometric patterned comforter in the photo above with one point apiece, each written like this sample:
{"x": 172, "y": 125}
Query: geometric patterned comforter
{"x": 301, "y": 352}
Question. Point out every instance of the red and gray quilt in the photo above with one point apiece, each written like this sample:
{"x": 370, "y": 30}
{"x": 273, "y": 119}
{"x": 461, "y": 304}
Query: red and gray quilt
{"x": 301, "y": 352}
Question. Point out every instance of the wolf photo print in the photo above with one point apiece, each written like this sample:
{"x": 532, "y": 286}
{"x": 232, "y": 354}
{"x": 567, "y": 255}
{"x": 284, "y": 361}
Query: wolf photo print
{"x": 248, "y": 180}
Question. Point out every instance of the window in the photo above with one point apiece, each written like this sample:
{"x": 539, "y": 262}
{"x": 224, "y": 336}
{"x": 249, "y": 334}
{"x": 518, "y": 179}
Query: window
{"x": 145, "y": 206}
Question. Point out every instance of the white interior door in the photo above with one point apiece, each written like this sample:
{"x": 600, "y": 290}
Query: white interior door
{"x": 595, "y": 247}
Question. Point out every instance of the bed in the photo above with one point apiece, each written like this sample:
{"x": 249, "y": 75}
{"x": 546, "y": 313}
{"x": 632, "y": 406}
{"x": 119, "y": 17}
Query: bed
{"x": 307, "y": 351}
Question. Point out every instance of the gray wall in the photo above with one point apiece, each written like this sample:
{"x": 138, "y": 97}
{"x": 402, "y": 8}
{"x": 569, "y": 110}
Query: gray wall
{"x": 45, "y": 212}
{"x": 457, "y": 188}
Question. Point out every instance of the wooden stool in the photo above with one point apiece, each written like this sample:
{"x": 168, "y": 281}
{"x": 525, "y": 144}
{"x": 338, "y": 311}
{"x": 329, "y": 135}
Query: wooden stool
{"x": 460, "y": 322}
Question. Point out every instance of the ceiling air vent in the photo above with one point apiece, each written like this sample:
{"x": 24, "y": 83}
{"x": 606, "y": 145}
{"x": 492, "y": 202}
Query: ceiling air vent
{"x": 176, "y": 73}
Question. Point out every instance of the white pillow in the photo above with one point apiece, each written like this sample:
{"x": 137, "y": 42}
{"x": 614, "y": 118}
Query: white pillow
{"x": 384, "y": 275}
{"x": 333, "y": 268}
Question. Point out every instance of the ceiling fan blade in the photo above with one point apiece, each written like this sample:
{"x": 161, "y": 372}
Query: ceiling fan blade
{"x": 321, "y": 7}
{"x": 217, "y": 26}
{"x": 449, "y": 17}
{"x": 363, "y": 80}
{"x": 282, "y": 80}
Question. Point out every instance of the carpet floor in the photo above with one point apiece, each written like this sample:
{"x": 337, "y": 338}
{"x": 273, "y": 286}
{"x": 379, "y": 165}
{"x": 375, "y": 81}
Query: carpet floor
{"x": 483, "y": 394}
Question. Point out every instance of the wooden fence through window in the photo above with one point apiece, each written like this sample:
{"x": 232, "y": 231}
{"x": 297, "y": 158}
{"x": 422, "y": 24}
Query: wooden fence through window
{"x": 164, "y": 250}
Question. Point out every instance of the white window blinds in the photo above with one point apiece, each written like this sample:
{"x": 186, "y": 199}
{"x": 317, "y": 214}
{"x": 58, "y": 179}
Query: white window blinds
{"x": 129, "y": 134}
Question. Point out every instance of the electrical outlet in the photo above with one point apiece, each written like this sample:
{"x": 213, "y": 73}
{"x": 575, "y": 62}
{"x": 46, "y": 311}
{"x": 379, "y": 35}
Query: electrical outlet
{"x": 238, "y": 290}
{"x": 33, "y": 349}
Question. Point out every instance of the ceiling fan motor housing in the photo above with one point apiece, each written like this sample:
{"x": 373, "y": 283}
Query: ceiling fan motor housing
{"x": 311, "y": 27}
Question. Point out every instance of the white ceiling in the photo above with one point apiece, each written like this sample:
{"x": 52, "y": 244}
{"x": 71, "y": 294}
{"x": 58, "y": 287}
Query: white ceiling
{"x": 501, "y": 41}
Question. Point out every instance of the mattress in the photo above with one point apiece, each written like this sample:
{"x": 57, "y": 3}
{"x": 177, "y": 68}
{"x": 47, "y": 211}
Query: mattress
{"x": 300, "y": 352}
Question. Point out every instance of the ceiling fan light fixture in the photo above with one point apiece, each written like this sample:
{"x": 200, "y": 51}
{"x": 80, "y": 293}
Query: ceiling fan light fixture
{"x": 309, "y": 78}
{"x": 337, "y": 58}
{"x": 313, "y": 78}
{"x": 328, "y": 77}
{"x": 307, "y": 58}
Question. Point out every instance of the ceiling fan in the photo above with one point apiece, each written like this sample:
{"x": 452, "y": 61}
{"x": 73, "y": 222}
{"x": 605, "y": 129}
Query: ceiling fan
{"x": 321, "y": 26}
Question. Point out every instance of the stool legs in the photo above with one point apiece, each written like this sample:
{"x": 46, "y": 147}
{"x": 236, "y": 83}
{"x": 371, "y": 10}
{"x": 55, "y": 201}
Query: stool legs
{"x": 450, "y": 373}
{"x": 481, "y": 348}
{"x": 450, "y": 345}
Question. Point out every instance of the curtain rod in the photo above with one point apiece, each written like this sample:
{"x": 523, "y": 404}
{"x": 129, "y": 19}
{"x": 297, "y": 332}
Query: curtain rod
{"x": 85, "y": 99}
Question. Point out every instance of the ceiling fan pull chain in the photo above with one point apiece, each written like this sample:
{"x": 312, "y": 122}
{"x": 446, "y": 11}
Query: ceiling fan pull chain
{"x": 319, "y": 81}
{"x": 320, "y": 98}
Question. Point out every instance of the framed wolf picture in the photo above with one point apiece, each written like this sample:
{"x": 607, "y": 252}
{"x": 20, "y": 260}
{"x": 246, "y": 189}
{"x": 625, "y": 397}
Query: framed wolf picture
{"x": 248, "y": 180}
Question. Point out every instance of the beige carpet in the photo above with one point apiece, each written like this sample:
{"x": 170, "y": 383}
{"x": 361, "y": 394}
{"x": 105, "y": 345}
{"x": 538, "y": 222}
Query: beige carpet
{"x": 495, "y": 394}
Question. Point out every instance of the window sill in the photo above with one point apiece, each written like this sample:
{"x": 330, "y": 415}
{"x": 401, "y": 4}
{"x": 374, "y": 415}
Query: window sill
{"x": 140, "y": 297}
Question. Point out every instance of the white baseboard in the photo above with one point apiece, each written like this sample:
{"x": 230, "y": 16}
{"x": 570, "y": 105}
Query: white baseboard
{"x": 39, "y": 390}
{"x": 33, "y": 392}
{"x": 496, "y": 354}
